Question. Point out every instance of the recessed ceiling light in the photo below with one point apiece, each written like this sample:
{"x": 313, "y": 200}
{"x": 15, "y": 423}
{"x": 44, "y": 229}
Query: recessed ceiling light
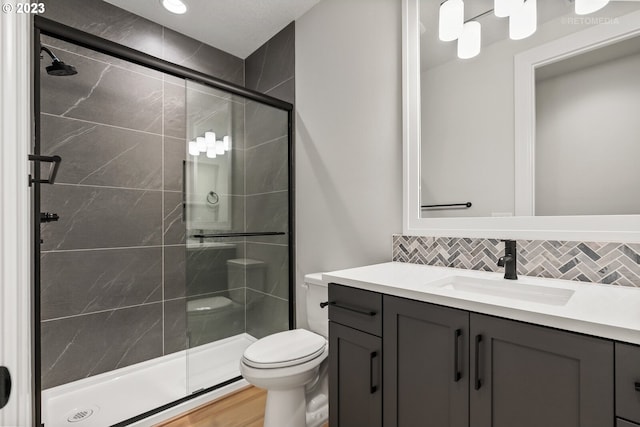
{"x": 174, "y": 6}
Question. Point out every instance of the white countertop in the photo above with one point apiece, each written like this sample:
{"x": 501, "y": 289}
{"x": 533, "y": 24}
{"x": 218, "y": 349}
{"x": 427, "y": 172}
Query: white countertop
{"x": 594, "y": 309}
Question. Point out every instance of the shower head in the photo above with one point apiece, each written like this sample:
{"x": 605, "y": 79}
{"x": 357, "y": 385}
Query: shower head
{"x": 57, "y": 67}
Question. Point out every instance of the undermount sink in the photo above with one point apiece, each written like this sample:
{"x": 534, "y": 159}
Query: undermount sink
{"x": 511, "y": 289}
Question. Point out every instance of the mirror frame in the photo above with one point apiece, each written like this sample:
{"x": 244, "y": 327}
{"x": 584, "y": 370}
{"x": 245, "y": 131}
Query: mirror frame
{"x": 600, "y": 228}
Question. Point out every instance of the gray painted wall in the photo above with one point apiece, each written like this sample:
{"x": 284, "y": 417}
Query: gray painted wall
{"x": 348, "y": 136}
{"x": 588, "y": 140}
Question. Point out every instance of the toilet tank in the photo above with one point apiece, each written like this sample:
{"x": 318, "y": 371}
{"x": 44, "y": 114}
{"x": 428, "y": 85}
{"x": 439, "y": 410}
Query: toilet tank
{"x": 317, "y": 292}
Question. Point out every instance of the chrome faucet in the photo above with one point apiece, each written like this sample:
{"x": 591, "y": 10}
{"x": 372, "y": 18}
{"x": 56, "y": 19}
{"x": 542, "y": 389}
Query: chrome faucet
{"x": 509, "y": 260}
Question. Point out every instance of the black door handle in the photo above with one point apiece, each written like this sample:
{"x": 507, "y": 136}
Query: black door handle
{"x": 373, "y": 388}
{"x": 344, "y": 307}
{"x": 5, "y": 386}
{"x": 477, "y": 381}
{"x": 457, "y": 375}
{"x": 55, "y": 164}
{"x": 637, "y": 386}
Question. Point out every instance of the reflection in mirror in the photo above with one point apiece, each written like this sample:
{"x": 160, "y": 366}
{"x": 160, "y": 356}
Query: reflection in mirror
{"x": 467, "y": 118}
{"x": 588, "y": 133}
{"x": 211, "y": 117}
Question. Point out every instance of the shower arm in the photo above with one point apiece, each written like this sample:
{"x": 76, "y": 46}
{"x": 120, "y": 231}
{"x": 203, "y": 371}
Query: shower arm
{"x": 54, "y": 58}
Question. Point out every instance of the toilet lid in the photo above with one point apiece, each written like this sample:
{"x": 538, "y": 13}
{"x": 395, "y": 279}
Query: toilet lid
{"x": 287, "y": 348}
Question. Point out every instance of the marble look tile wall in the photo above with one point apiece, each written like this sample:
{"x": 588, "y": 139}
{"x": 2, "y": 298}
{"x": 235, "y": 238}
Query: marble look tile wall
{"x": 114, "y": 284}
{"x": 270, "y": 69}
{"x": 610, "y": 263}
{"x": 117, "y": 277}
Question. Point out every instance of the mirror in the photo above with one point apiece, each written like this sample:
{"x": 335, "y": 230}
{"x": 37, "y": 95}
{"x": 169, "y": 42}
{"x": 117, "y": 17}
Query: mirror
{"x": 579, "y": 155}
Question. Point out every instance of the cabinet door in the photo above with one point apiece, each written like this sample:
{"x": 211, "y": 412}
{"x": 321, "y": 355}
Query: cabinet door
{"x": 355, "y": 378}
{"x": 531, "y": 376}
{"x": 426, "y": 365}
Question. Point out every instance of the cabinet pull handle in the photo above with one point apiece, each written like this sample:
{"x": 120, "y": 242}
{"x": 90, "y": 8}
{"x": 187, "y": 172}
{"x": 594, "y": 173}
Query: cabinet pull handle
{"x": 477, "y": 382}
{"x": 637, "y": 386}
{"x": 457, "y": 375}
{"x": 344, "y": 307}
{"x": 373, "y": 388}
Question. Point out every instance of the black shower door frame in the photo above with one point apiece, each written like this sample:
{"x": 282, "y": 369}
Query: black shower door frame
{"x": 44, "y": 26}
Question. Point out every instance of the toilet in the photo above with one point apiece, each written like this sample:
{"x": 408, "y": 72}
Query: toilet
{"x": 292, "y": 366}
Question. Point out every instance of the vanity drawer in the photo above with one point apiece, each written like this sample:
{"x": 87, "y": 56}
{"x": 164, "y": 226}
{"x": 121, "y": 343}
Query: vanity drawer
{"x": 623, "y": 423}
{"x": 356, "y": 308}
{"x": 628, "y": 382}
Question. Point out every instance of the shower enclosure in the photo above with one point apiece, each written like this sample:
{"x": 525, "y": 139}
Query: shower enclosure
{"x": 163, "y": 239}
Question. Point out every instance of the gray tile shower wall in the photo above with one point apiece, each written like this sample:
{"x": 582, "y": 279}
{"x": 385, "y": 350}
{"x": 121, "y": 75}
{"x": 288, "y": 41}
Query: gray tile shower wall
{"x": 609, "y": 263}
{"x": 114, "y": 285}
{"x": 271, "y": 70}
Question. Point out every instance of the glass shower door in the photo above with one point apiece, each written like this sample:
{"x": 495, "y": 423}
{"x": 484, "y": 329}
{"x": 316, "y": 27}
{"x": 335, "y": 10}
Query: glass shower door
{"x": 236, "y": 208}
{"x": 113, "y": 343}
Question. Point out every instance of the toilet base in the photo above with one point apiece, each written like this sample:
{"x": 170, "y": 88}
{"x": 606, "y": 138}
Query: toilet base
{"x": 285, "y": 408}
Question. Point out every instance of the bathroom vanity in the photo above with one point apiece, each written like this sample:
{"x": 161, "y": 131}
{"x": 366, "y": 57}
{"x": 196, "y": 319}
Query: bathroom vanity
{"x": 410, "y": 343}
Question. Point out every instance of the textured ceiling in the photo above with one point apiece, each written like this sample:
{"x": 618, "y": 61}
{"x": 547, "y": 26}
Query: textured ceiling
{"x": 238, "y": 27}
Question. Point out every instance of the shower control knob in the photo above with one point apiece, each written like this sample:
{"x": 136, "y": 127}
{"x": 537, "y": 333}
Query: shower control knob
{"x": 48, "y": 217}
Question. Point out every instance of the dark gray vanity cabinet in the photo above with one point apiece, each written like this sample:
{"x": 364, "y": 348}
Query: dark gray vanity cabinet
{"x": 628, "y": 382}
{"x": 530, "y": 376}
{"x": 355, "y": 357}
{"x": 426, "y": 365}
{"x": 445, "y": 367}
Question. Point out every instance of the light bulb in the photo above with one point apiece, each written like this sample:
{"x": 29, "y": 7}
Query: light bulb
{"x": 193, "y": 148}
{"x": 219, "y": 147}
{"x": 523, "y": 21}
{"x": 470, "y": 41}
{"x": 503, "y": 8}
{"x": 226, "y": 140}
{"x": 210, "y": 138}
{"x": 451, "y": 20}
{"x": 585, "y": 7}
{"x": 174, "y": 6}
{"x": 202, "y": 144}
{"x": 211, "y": 153}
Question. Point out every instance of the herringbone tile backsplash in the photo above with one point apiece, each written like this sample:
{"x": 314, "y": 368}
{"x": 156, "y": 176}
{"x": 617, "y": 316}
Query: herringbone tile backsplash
{"x": 611, "y": 263}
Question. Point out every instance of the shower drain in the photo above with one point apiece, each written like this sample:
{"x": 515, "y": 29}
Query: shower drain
{"x": 80, "y": 415}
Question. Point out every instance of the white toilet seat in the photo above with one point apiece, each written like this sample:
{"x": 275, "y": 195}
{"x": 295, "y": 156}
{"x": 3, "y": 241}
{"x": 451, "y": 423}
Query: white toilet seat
{"x": 284, "y": 349}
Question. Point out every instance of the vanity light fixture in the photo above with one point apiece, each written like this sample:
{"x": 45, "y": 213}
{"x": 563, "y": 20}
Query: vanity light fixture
{"x": 219, "y": 147}
{"x": 202, "y": 144}
{"x": 523, "y": 21}
{"x": 451, "y": 22}
{"x": 504, "y": 8}
{"x": 210, "y": 138}
{"x": 470, "y": 41}
{"x": 209, "y": 145}
{"x": 585, "y": 7}
{"x": 174, "y": 6}
{"x": 193, "y": 148}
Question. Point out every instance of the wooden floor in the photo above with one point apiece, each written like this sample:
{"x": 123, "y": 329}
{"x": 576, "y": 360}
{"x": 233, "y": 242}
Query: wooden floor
{"x": 242, "y": 409}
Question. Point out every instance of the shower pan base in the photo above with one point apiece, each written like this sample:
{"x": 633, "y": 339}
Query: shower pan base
{"x": 109, "y": 398}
